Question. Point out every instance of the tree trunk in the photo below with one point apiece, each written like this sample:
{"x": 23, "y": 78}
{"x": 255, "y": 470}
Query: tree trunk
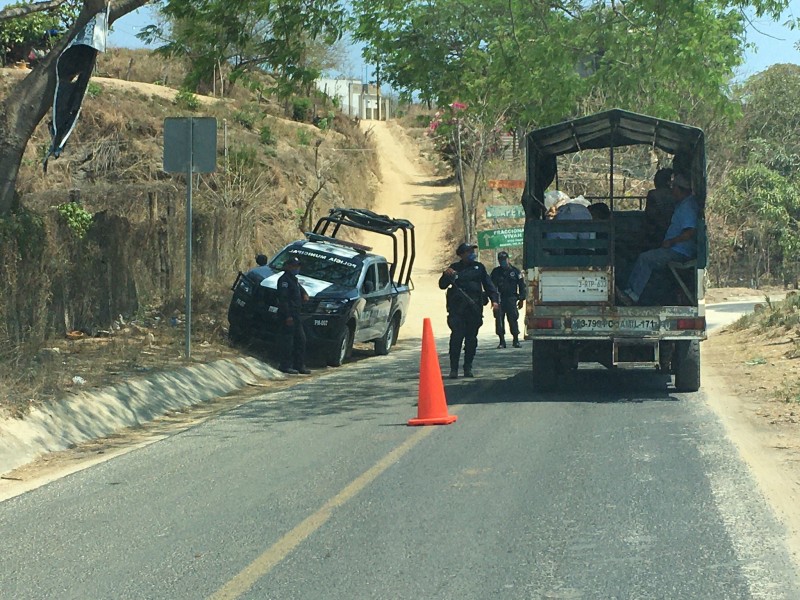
{"x": 461, "y": 191}
{"x": 29, "y": 101}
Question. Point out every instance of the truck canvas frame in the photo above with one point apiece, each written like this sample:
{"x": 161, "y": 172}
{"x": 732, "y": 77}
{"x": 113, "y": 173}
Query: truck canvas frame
{"x": 572, "y": 316}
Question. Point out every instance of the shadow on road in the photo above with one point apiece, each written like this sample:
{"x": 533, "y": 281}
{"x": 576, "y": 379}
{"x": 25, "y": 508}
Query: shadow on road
{"x": 437, "y": 182}
{"x": 598, "y": 386}
{"x": 436, "y": 202}
{"x": 364, "y": 390}
{"x": 504, "y": 376}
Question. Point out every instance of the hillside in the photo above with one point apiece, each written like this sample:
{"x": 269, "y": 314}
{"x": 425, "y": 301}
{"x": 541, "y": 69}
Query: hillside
{"x": 99, "y": 240}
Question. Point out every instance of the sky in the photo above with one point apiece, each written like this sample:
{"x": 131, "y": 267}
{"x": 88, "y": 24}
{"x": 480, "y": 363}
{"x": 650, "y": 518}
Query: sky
{"x": 774, "y": 42}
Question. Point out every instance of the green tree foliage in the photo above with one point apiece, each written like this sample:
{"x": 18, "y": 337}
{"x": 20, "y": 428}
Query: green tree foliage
{"x": 760, "y": 210}
{"x": 755, "y": 209}
{"x": 248, "y": 35}
{"x": 554, "y": 59}
{"x": 771, "y": 119}
{"x": 28, "y": 31}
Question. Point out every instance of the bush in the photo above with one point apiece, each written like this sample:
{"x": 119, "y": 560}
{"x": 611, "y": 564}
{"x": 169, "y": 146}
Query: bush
{"x": 266, "y": 136}
{"x": 303, "y": 137}
{"x": 422, "y": 120}
{"x": 242, "y": 158}
{"x": 300, "y": 109}
{"x": 78, "y": 219}
{"x": 245, "y": 119}
{"x": 187, "y": 100}
{"x": 93, "y": 90}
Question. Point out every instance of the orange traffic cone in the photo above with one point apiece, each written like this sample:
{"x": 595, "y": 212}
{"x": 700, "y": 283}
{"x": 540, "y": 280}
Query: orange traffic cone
{"x": 432, "y": 405}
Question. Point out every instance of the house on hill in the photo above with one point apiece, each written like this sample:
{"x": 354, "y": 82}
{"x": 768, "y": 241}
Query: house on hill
{"x": 356, "y": 99}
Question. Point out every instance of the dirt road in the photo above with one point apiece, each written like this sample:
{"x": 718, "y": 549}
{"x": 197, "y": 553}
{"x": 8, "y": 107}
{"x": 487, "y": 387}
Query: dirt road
{"x": 409, "y": 190}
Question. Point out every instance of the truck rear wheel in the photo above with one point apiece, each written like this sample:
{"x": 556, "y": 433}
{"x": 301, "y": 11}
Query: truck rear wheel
{"x": 686, "y": 362}
{"x": 544, "y": 366}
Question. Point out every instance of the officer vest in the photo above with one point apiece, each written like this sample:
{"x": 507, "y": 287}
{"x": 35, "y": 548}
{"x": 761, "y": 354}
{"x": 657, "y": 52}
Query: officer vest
{"x": 470, "y": 282}
{"x": 508, "y": 283}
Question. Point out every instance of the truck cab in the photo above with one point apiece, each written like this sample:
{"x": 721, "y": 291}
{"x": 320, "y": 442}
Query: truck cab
{"x": 573, "y": 267}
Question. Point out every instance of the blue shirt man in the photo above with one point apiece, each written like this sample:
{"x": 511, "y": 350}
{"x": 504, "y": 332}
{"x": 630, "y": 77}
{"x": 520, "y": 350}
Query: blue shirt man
{"x": 678, "y": 245}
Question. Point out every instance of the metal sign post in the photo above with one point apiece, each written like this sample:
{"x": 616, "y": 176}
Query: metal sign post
{"x": 190, "y": 146}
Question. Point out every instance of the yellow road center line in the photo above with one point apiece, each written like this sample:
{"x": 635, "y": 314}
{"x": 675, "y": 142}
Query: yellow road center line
{"x": 262, "y": 565}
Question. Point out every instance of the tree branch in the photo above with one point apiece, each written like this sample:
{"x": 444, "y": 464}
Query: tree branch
{"x": 23, "y": 11}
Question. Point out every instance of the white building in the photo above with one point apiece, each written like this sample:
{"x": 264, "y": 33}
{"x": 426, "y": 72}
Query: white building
{"x": 356, "y": 99}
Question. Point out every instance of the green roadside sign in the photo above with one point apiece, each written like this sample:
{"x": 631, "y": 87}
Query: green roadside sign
{"x": 500, "y": 238}
{"x": 512, "y": 211}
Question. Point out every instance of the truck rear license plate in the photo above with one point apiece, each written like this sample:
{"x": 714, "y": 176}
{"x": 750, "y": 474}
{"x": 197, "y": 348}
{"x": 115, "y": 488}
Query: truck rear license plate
{"x": 583, "y": 324}
{"x": 597, "y": 283}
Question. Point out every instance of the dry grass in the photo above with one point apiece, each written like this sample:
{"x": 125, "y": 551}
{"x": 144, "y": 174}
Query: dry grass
{"x": 770, "y": 338}
{"x": 131, "y": 261}
{"x": 141, "y": 65}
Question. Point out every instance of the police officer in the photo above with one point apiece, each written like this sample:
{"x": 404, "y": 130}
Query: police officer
{"x": 291, "y": 296}
{"x": 467, "y": 283}
{"x": 509, "y": 283}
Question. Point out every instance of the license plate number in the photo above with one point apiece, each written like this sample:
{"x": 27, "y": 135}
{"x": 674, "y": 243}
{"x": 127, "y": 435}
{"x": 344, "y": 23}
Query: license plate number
{"x": 615, "y": 324}
{"x": 593, "y": 284}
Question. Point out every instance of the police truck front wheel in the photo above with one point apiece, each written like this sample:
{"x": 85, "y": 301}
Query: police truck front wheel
{"x": 545, "y": 365}
{"x": 236, "y": 333}
{"x": 385, "y": 343}
{"x": 342, "y": 348}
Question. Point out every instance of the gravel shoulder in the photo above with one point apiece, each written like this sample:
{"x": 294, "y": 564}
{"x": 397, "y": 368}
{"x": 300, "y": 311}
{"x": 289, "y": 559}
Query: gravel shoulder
{"x": 752, "y": 381}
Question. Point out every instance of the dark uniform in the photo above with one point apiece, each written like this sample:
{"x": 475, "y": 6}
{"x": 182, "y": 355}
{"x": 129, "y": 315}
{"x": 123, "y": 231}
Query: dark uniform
{"x": 466, "y": 287}
{"x": 509, "y": 283}
{"x": 290, "y": 301}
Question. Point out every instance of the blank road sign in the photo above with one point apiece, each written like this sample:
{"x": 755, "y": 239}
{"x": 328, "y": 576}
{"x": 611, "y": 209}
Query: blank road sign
{"x": 190, "y": 141}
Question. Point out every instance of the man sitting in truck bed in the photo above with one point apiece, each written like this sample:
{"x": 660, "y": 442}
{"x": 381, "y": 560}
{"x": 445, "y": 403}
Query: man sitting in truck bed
{"x": 678, "y": 245}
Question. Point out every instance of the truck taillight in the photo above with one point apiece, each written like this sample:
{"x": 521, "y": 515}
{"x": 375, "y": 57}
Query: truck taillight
{"x": 543, "y": 323}
{"x": 698, "y": 323}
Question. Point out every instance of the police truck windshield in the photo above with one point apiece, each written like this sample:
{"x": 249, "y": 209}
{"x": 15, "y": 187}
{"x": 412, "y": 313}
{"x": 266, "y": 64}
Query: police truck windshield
{"x": 334, "y": 269}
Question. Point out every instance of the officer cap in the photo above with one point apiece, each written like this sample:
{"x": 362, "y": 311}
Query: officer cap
{"x": 502, "y": 254}
{"x": 464, "y": 248}
{"x": 292, "y": 260}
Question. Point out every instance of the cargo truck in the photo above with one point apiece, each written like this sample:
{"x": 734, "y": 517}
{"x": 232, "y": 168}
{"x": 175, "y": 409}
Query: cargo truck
{"x": 574, "y": 266}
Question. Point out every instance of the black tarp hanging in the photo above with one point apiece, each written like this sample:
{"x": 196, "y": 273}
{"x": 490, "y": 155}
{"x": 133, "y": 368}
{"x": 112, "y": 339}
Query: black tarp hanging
{"x": 73, "y": 70}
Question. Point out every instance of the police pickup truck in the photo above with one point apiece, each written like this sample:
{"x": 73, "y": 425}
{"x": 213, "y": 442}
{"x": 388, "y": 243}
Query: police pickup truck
{"x": 355, "y": 296}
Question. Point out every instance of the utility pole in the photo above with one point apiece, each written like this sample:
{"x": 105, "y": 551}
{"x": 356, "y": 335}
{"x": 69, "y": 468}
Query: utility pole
{"x": 378, "y": 85}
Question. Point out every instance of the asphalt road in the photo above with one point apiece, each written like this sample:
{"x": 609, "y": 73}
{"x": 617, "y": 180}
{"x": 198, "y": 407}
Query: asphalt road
{"x": 725, "y": 313}
{"x": 614, "y": 487}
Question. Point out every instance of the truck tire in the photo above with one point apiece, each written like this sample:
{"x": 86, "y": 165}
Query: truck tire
{"x": 544, "y": 366}
{"x": 686, "y": 361}
{"x": 343, "y": 348}
{"x": 385, "y": 343}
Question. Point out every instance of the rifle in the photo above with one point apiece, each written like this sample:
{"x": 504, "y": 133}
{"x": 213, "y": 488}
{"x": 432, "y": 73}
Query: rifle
{"x": 470, "y": 301}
